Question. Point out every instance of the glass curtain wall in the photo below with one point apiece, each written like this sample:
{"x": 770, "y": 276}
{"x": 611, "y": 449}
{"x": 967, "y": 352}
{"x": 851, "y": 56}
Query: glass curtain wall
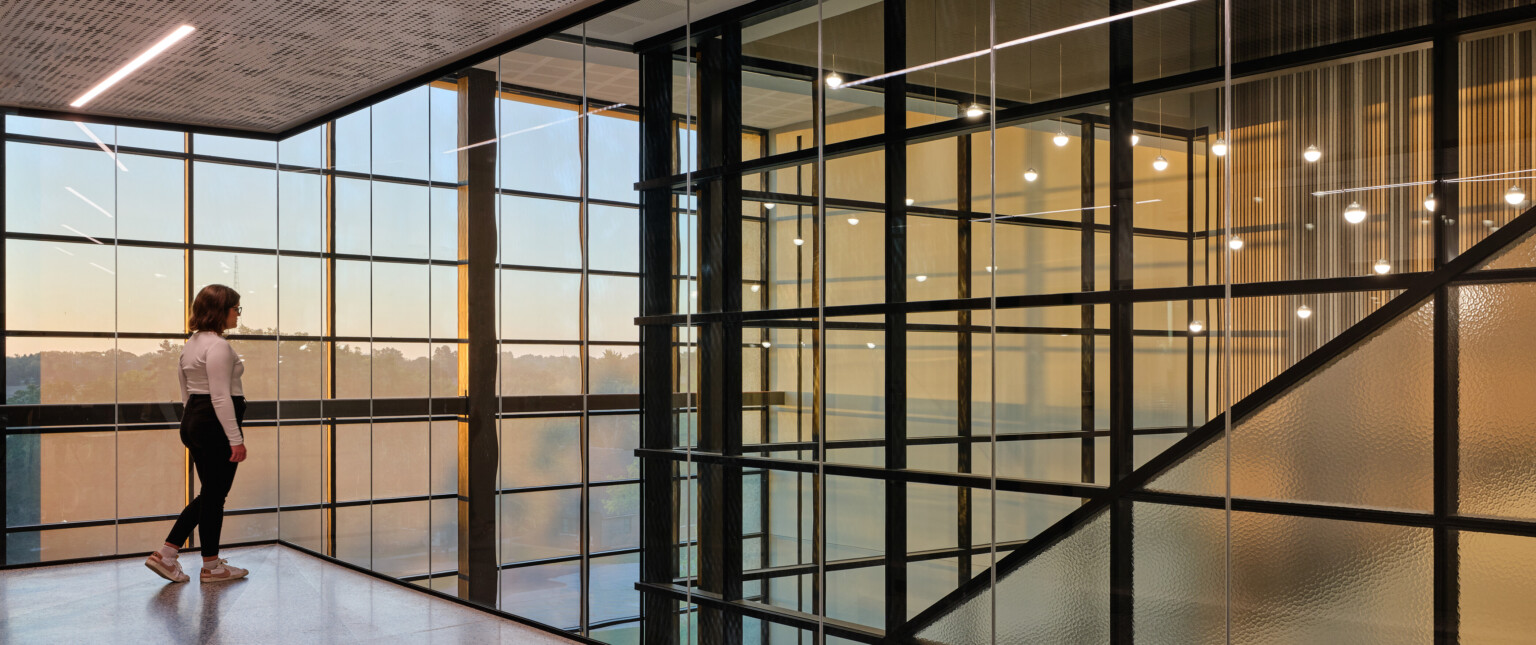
{"x": 1042, "y": 330}
{"x": 568, "y": 275}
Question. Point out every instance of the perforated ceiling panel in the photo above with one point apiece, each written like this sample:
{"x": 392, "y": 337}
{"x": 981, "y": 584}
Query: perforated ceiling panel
{"x": 262, "y": 65}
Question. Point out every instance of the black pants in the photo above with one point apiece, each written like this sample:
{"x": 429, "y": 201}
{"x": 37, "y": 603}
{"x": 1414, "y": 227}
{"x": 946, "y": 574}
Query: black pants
{"x": 204, "y": 436}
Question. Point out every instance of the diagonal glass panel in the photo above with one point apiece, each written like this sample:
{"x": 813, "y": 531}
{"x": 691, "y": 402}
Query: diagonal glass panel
{"x": 1059, "y": 596}
{"x": 1336, "y": 438}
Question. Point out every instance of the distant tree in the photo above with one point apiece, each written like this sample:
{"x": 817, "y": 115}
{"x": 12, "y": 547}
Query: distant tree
{"x": 26, "y": 396}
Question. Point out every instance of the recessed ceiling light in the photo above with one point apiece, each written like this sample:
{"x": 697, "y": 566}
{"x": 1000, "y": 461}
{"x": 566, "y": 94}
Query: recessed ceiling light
{"x": 120, "y": 74}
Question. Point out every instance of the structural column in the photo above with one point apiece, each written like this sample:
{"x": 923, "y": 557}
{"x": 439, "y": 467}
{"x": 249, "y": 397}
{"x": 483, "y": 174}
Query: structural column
{"x": 895, "y": 55}
{"x": 1122, "y": 197}
{"x": 658, "y": 489}
{"x": 1445, "y": 166}
{"x": 720, "y": 343}
{"x": 477, "y": 449}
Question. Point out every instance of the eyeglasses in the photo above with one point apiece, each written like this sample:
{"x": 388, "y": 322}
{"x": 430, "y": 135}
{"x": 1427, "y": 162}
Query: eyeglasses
{"x": 239, "y": 310}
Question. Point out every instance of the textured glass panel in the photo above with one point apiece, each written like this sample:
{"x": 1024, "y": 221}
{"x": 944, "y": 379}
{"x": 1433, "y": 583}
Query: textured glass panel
{"x": 1180, "y": 576}
{"x": 1498, "y": 580}
{"x": 1334, "y": 438}
{"x": 1308, "y": 580}
{"x": 1059, "y": 596}
{"x": 1498, "y": 399}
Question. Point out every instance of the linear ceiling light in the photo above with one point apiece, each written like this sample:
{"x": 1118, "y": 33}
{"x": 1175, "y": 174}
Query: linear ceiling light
{"x": 164, "y": 44}
{"x": 1027, "y": 39}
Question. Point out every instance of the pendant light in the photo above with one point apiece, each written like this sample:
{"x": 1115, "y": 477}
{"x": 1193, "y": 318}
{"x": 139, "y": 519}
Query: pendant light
{"x": 1219, "y": 148}
{"x": 834, "y": 81}
{"x": 767, "y": 344}
{"x": 1382, "y": 267}
{"x": 1312, "y": 154}
{"x": 769, "y": 206}
{"x": 853, "y": 221}
{"x": 1030, "y": 175}
{"x": 1160, "y": 163}
{"x": 1429, "y": 203}
{"x": 1196, "y": 326}
{"x": 1236, "y": 243}
{"x": 1060, "y": 139}
{"x": 1514, "y": 196}
{"x": 975, "y": 110}
{"x": 1354, "y": 213}
{"x": 922, "y": 278}
{"x": 1135, "y": 139}
{"x": 1303, "y": 312}
{"x": 799, "y": 242}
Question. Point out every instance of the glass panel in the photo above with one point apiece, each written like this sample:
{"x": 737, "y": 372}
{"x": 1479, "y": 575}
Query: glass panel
{"x": 548, "y": 593}
{"x": 614, "y": 517}
{"x": 1497, "y": 440}
{"x": 537, "y": 525}
{"x": 235, "y": 205}
{"x": 1495, "y": 576}
{"x": 540, "y": 452}
{"x": 1297, "y": 579}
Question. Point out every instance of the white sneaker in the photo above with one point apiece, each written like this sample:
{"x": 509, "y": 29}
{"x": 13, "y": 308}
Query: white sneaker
{"x": 222, "y": 572}
{"x": 167, "y": 568}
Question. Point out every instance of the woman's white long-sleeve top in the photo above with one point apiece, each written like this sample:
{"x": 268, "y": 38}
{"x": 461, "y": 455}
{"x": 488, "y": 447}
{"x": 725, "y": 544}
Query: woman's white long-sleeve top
{"x": 209, "y": 365}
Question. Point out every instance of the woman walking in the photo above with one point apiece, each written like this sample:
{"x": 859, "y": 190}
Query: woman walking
{"x": 210, "y": 429}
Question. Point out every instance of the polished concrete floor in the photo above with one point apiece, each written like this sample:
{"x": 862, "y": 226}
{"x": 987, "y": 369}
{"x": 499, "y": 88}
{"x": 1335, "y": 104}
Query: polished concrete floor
{"x": 290, "y": 597}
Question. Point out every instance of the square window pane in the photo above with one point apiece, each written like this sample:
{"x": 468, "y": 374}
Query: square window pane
{"x": 614, "y": 369}
{"x": 614, "y": 234}
{"x": 59, "y": 370}
{"x": 540, "y": 452}
{"x": 151, "y": 199}
{"x": 400, "y": 459}
{"x": 538, "y": 525}
{"x": 254, "y": 276}
{"x": 401, "y": 222}
{"x": 614, "y": 304}
{"x": 35, "y": 272}
{"x": 149, "y": 287}
{"x": 615, "y": 517}
{"x": 146, "y": 373}
{"x": 234, "y": 205}
{"x": 400, "y": 370}
{"x": 540, "y": 232}
{"x": 614, "y": 439}
{"x": 402, "y": 538}
{"x": 540, "y": 306}
{"x": 59, "y": 191}
{"x": 528, "y": 370}
{"x": 548, "y": 593}
{"x": 542, "y": 153}
{"x": 400, "y": 304}
{"x": 301, "y": 211}
{"x": 305, "y": 149}
{"x": 400, "y": 134}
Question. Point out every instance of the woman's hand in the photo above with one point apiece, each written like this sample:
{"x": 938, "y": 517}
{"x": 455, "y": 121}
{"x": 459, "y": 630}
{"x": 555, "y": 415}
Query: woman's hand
{"x": 237, "y": 453}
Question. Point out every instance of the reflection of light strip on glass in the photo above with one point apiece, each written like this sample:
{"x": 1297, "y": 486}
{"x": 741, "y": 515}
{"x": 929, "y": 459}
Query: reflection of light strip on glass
{"x": 537, "y": 127}
{"x": 164, "y": 44}
{"x": 61, "y": 250}
{"x": 77, "y": 232}
{"x": 83, "y": 199}
{"x": 1496, "y": 174}
{"x": 101, "y": 145}
{"x": 1027, "y": 39}
{"x": 109, "y": 271}
{"x": 1504, "y": 177}
{"x": 1341, "y": 191}
{"x": 1072, "y": 210}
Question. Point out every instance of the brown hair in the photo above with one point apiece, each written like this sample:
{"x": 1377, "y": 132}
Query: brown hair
{"x": 210, "y": 310}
